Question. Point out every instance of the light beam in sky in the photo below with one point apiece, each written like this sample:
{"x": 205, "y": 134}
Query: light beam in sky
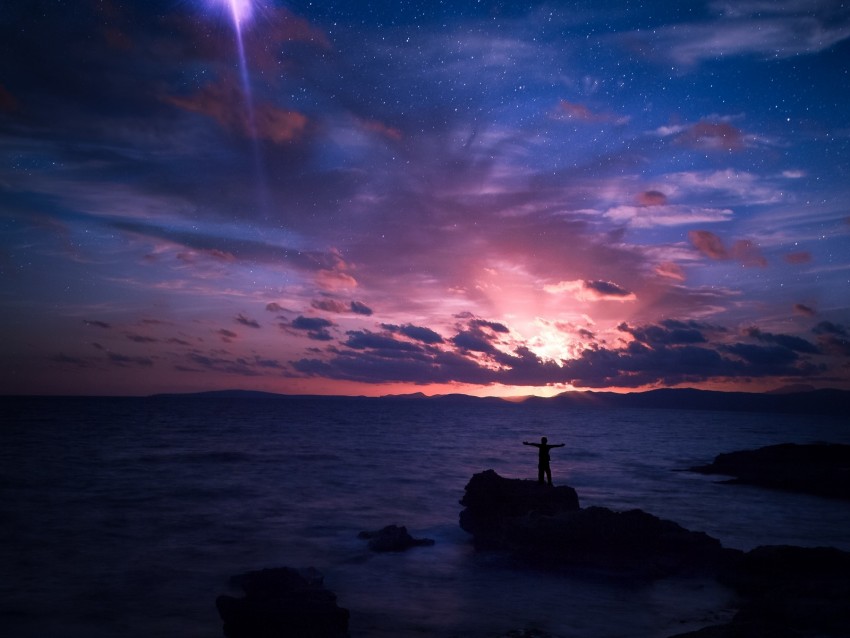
{"x": 240, "y": 12}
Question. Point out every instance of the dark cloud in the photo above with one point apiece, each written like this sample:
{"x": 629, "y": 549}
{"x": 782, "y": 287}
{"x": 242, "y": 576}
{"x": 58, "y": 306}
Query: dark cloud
{"x": 606, "y": 289}
{"x": 238, "y": 365}
{"x": 366, "y": 340}
{"x": 417, "y": 333}
{"x": 833, "y": 338}
{"x": 473, "y": 340}
{"x": 668, "y": 332}
{"x": 316, "y": 327}
{"x": 127, "y": 361}
{"x": 492, "y": 325}
{"x": 245, "y": 321}
{"x": 672, "y": 352}
{"x": 97, "y": 324}
{"x": 227, "y": 335}
{"x": 803, "y": 309}
{"x": 797, "y": 344}
{"x": 360, "y": 308}
{"x": 336, "y": 306}
{"x": 141, "y": 338}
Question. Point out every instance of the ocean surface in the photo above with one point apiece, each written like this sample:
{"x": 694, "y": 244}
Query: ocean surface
{"x": 126, "y": 517}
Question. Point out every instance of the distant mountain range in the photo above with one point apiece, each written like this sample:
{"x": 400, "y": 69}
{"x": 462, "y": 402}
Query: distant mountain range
{"x": 826, "y": 401}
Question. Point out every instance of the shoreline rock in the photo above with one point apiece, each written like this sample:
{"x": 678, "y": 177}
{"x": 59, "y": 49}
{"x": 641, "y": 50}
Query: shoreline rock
{"x": 393, "y": 538}
{"x": 787, "y": 592}
{"x": 821, "y": 469}
{"x": 282, "y": 602}
{"x": 546, "y": 527}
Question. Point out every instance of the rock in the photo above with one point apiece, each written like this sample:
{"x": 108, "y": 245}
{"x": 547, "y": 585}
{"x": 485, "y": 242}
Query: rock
{"x": 393, "y": 538}
{"x": 282, "y": 603}
{"x": 817, "y": 468}
{"x": 545, "y": 526}
{"x": 491, "y": 501}
{"x": 794, "y": 592}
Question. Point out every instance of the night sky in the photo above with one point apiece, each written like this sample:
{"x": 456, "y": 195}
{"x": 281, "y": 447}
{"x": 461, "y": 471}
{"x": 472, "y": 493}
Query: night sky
{"x": 367, "y": 197}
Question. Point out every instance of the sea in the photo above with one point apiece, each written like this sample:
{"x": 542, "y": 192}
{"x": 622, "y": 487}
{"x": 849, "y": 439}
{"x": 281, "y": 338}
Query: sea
{"x": 125, "y": 517}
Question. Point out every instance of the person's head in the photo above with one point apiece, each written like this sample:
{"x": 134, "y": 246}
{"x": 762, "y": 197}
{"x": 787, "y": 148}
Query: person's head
{"x": 543, "y": 439}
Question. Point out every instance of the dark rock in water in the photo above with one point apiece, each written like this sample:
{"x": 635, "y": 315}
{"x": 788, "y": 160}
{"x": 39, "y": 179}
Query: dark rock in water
{"x": 282, "y": 603}
{"x": 546, "y": 526}
{"x": 393, "y": 538}
{"x": 818, "y": 468}
{"x": 798, "y": 592}
{"x": 493, "y": 502}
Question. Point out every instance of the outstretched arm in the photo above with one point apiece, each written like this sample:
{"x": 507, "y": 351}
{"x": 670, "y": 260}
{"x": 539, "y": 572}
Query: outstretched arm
{"x": 559, "y": 445}
{"x": 532, "y": 444}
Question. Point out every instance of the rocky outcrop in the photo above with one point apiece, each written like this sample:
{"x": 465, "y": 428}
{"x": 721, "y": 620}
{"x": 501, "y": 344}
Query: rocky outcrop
{"x": 282, "y": 603}
{"x": 493, "y": 504}
{"x": 545, "y": 526}
{"x": 787, "y": 592}
{"x": 393, "y": 538}
{"x": 818, "y": 468}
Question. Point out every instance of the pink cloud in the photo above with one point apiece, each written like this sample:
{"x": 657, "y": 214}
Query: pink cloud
{"x": 712, "y": 136}
{"x": 670, "y": 270}
{"x": 651, "y": 198}
{"x": 802, "y": 257}
{"x": 743, "y": 250}
{"x": 225, "y": 104}
{"x": 708, "y": 244}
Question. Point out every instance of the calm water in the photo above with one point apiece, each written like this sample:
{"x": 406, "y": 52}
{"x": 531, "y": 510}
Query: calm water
{"x": 125, "y": 517}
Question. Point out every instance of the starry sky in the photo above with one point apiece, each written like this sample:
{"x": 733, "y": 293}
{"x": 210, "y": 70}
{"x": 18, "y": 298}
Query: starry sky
{"x": 363, "y": 197}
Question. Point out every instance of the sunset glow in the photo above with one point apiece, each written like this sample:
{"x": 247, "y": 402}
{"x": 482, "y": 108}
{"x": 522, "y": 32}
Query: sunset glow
{"x": 499, "y": 199}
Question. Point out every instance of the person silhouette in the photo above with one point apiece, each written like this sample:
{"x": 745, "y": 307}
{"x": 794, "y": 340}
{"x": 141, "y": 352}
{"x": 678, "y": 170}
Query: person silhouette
{"x": 543, "y": 458}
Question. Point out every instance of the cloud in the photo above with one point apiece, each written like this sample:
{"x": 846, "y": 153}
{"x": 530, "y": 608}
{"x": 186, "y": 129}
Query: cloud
{"x": 492, "y": 325}
{"x": 225, "y": 103}
{"x": 833, "y": 338}
{"x": 743, "y": 250}
{"x": 126, "y": 361}
{"x": 367, "y": 340}
{"x": 591, "y": 290}
{"x": 336, "y": 306}
{"x": 672, "y": 352}
{"x": 670, "y": 270}
{"x": 227, "y": 335}
{"x": 141, "y": 338}
{"x": 802, "y": 309}
{"x": 316, "y": 327}
{"x": 579, "y": 112}
{"x": 651, "y": 198}
{"x": 669, "y": 332}
{"x": 761, "y": 29}
{"x": 797, "y": 344}
{"x": 712, "y": 136}
{"x": 245, "y": 321}
{"x": 359, "y": 308}
{"x": 241, "y": 366}
{"x": 800, "y": 257}
{"x": 97, "y": 324}
{"x": 656, "y": 216}
{"x": 417, "y": 333}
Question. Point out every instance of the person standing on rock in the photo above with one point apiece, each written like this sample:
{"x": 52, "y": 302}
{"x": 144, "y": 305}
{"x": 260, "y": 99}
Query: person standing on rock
{"x": 543, "y": 458}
